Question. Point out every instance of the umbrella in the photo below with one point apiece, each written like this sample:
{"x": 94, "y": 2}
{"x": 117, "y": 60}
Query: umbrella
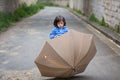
{"x": 66, "y": 55}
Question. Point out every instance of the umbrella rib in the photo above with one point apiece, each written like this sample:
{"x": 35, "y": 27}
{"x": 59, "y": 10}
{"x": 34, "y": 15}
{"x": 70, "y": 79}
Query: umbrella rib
{"x": 60, "y": 57}
{"x": 87, "y": 52}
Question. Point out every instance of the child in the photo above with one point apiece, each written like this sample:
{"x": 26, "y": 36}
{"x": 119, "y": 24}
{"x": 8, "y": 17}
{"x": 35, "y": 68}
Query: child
{"x": 59, "y": 27}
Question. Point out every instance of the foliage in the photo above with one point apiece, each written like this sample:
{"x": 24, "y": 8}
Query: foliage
{"x": 117, "y": 28}
{"x": 103, "y": 23}
{"x": 67, "y": 5}
{"x": 93, "y": 18}
{"x": 6, "y": 19}
{"x": 78, "y": 11}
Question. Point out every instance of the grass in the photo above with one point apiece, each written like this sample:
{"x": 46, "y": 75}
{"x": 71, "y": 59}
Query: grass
{"x": 7, "y": 19}
{"x": 93, "y": 18}
{"x": 102, "y": 22}
{"x": 4, "y": 21}
{"x": 117, "y": 28}
{"x": 78, "y": 11}
{"x": 67, "y": 5}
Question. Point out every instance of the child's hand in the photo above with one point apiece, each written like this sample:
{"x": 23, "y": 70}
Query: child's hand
{"x": 55, "y": 36}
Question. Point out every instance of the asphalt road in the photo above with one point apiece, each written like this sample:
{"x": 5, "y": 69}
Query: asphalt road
{"x": 21, "y": 44}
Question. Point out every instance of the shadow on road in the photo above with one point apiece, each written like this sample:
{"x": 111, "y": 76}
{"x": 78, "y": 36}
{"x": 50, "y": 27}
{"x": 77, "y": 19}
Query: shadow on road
{"x": 82, "y": 77}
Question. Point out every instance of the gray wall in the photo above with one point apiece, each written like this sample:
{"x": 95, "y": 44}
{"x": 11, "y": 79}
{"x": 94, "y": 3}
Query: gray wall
{"x": 109, "y": 9}
{"x": 2, "y": 5}
{"x": 28, "y": 2}
{"x": 11, "y": 5}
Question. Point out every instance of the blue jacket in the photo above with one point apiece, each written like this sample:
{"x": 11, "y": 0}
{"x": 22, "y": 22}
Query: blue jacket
{"x": 58, "y": 31}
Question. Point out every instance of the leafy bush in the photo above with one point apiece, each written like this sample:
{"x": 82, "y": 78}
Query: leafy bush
{"x": 6, "y": 19}
{"x": 93, "y": 18}
{"x": 21, "y": 11}
{"x": 103, "y": 23}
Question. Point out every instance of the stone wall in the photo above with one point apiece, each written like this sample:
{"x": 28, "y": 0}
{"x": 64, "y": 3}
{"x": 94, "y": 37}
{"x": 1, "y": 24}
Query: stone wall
{"x": 2, "y": 5}
{"x": 112, "y": 11}
{"x": 109, "y": 9}
{"x": 11, "y": 5}
{"x": 97, "y": 7}
{"x": 76, "y": 4}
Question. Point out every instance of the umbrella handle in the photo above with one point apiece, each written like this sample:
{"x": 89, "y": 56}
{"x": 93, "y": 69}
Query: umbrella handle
{"x": 74, "y": 69}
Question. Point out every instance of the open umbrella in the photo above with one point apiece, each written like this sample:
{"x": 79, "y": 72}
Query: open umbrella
{"x": 66, "y": 55}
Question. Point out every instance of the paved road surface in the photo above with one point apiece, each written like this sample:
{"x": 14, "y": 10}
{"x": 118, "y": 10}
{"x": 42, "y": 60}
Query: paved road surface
{"x": 21, "y": 44}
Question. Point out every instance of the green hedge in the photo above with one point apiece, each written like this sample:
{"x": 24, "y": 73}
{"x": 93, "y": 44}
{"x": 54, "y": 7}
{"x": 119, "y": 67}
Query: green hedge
{"x": 6, "y": 19}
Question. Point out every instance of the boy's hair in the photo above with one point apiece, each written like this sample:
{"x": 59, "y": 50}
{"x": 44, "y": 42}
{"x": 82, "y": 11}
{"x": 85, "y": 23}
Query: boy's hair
{"x": 58, "y": 19}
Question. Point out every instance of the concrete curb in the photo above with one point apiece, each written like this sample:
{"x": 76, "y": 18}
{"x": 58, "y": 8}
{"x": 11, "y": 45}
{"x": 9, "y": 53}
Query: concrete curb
{"x": 106, "y": 31}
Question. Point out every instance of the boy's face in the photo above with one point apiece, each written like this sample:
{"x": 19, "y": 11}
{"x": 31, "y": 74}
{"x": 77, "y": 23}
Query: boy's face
{"x": 60, "y": 24}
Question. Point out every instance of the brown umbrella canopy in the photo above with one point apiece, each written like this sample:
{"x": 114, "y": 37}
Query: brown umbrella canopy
{"x": 66, "y": 55}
